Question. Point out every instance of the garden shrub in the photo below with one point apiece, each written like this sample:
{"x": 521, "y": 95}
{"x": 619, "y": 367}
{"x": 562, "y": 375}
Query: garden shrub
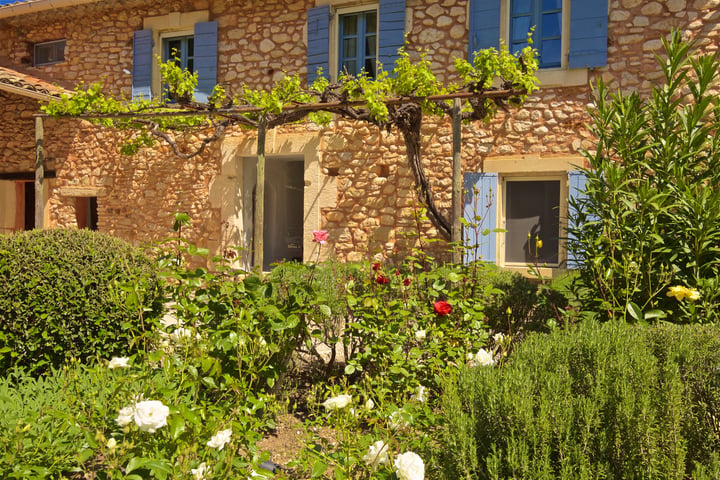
{"x": 72, "y": 293}
{"x": 651, "y": 215}
{"x": 593, "y": 401}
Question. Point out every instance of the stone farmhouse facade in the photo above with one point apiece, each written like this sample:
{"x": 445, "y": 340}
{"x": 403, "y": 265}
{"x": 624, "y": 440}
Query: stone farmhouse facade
{"x": 347, "y": 178}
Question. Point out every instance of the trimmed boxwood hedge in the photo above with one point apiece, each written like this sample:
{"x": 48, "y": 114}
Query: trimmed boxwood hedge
{"x": 69, "y": 293}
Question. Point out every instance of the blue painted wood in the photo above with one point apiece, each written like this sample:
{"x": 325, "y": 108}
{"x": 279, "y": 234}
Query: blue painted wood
{"x": 142, "y": 65}
{"x": 318, "y": 46}
{"x": 480, "y": 208}
{"x": 588, "y": 33}
{"x": 391, "y": 31}
{"x": 205, "y": 59}
{"x": 576, "y": 182}
{"x": 484, "y": 16}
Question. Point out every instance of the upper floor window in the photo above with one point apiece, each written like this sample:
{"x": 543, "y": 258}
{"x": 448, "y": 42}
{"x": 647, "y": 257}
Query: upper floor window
{"x": 358, "y": 43}
{"x": 182, "y": 50}
{"x": 546, "y": 17}
{"x": 47, "y": 53}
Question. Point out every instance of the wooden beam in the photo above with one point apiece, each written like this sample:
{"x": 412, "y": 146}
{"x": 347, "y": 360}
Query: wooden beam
{"x": 39, "y": 174}
{"x": 27, "y": 176}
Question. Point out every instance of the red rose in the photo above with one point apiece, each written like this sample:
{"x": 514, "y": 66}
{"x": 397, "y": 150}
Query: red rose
{"x": 442, "y": 308}
{"x": 406, "y": 282}
{"x": 376, "y": 266}
{"x": 382, "y": 280}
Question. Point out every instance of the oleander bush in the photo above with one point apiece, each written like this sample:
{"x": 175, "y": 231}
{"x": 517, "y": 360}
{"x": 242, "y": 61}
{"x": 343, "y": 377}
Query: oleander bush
{"x": 72, "y": 293}
{"x": 651, "y": 215}
{"x": 594, "y": 401}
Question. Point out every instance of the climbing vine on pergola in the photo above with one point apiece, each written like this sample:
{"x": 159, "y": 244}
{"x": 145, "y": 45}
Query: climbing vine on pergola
{"x": 396, "y": 99}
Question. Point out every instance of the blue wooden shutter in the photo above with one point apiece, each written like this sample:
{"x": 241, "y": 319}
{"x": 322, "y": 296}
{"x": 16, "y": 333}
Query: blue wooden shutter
{"x": 391, "y": 31}
{"x": 142, "y": 65}
{"x": 483, "y": 206}
{"x": 205, "y": 59}
{"x": 576, "y": 181}
{"x": 484, "y": 25}
{"x": 318, "y": 42}
{"x": 588, "y": 33}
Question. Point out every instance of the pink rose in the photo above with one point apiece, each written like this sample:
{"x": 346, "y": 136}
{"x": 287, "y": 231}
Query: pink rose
{"x": 320, "y": 236}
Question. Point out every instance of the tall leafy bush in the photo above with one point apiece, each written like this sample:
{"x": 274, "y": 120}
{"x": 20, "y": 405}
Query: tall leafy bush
{"x": 72, "y": 293}
{"x": 597, "y": 401}
{"x": 651, "y": 217}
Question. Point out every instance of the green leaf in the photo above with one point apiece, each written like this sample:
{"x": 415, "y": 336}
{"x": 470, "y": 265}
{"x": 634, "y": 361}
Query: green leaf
{"x": 655, "y": 314}
{"x": 177, "y": 426}
{"x": 325, "y": 310}
{"x": 634, "y": 311}
{"x": 318, "y": 469}
{"x": 135, "y": 463}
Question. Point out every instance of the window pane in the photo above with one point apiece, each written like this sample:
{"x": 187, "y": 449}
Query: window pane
{"x": 350, "y": 66}
{"x": 532, "y": 213}
{"x": 520, "y": 28}
{"x": 371, "y": 22}
{"x": 349, "y": 26}
{"x": 190, "y": 47}
{"x": 550, "y": 53}
{"x": 370, "y": 43}
{"x": 174, "y": 48}
{"x": 349, "y": 48}
{"x": 190, "y": 65}
{"x": 552, "y": 4}
{"x": 521, "y": 6}
{"x": 551, "y": 25}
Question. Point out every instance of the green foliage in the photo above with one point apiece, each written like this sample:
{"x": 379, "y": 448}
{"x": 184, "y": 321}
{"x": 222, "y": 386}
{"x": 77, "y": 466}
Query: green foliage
{"x": 72, "y": 293}
{"x": 596, "y": 401}
{"x": 651, "y": 218}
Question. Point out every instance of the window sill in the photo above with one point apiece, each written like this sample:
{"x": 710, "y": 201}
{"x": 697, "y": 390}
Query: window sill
{"x": 562, "y": 77}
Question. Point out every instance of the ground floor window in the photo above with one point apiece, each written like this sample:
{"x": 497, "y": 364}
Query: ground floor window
{"x": 532, "y": 221}
{"x": 86, "y": 214}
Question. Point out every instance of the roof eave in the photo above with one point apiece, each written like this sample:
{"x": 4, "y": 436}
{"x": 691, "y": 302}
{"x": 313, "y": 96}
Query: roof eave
{"x": 27, "y": 93}
{"x": 34, "y": 6}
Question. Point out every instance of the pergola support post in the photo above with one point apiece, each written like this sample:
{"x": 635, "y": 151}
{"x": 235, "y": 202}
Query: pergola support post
{"x": 457, "y": 183}
{"x": 39, "y": 174}
{"x": 258, "y": 221}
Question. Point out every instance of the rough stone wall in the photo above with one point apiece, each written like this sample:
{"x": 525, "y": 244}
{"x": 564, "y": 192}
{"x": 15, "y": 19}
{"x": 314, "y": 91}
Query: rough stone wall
{"x": 17, "y": 137}
{"x": 375, "y": 208}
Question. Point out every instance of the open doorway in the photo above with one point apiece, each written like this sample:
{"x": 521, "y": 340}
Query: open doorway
{"x": 284, "y": 208}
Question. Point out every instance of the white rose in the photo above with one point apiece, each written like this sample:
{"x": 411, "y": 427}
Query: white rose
{"x": 485, "y": 358}
{"x": 377, "y": 454}
{"x": 118, "y": 362}
{"x": 420, "y": 335}
{"x": 409, "y": 466}
{"x": 420, "y": 394}
{"x": 396, "y": 420}
{"x": 125, "y": 416}
{"x": 220, "y": 439}
{"x": 200, "y": 471}
{"x": 499, "y": 337}
{"x": 335, "y": 403}
{"x": 369, "y": 404}
{"x": 150, "y": 415}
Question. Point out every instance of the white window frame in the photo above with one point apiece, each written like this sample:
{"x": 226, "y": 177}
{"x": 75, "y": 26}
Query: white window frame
{"x": 336, "y": 12}
{"x": 562, "y": 177}
{"x": 550, "y": 77}
{"x": 51, "y": 44}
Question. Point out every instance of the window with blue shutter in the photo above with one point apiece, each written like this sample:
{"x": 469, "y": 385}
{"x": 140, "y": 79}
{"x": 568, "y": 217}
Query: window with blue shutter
{"x": 196, "y": 53}
{"x": 142, "y": 65}
{"x": 587, "y": 24}
{"x": 363, "y": 38}
{"x": 480, "y": 214}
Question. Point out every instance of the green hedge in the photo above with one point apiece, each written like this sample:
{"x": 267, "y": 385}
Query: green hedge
{"x": 72, "y": 293}
{"x": 610, "y": 401}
